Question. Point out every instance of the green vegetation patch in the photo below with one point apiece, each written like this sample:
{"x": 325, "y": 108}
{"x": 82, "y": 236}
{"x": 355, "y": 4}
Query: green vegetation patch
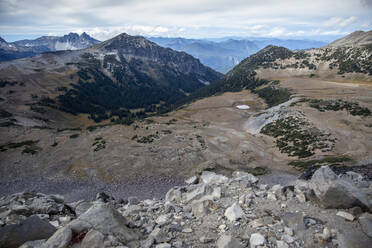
{"x": 302, "y": 165}
{"x": 273, "y": 95}
{"x": 69, "y": 129}
{"x": 146, "y": 139}
{"x": 74, "y": 136}
{"x": 98, "y": 144}
{"x": 7, "y": 124}
{"x": 336, "y": 105}
{"x": 5, "y": 114}
{"x": 4, "y": 83}
{"x": 37, "y": 109}
{"x": 257, "y": 171}
{"x": 13, "y": 145}
{"x": 31, "y": 150}
{"x": 296, "y": 137}
{"x": 201, "y": 142}
{"x": 93, "y": 128}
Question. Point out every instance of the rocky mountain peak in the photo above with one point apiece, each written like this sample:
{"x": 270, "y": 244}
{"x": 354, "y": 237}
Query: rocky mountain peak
{"x": 127, "y": 42}
{"x": 2, "y": 40}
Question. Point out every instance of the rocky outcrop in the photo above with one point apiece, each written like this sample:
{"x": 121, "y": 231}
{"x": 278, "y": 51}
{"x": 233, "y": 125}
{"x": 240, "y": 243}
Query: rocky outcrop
{"x": 335, "y": 192}
{"x": 217, "y": 212}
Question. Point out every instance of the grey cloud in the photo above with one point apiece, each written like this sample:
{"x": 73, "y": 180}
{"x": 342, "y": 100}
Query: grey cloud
{"x": 184, "y": 17}
{"x": 367, "y": 3}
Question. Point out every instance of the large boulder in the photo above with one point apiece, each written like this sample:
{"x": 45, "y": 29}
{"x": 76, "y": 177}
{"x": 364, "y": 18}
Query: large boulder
{"x": 102, "y": 218}
{"x": 208, "y": 177}
{"x": 365, "y": 221}
{"x": 334, "y": 192}
{"x": 60, "y": 239}
{"x": 107, "y": 220}
{"x": 33, "y": 228}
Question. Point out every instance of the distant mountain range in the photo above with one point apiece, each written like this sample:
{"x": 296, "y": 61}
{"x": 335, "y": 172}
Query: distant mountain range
{"x": 224, "y": 55}
{"x": 221, "y": 56}
{"x": 27, "y": 48}
{"x": 109, "y": 79}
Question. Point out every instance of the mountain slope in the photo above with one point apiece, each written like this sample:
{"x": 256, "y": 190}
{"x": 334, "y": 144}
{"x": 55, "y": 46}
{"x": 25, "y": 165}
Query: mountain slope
{"x": 28, "y": 48}
{"x": 9, "y": 51}
{"x": 110, "y": 78}
{"x": 273, "y": 62}
{"x": 357, "y": 38}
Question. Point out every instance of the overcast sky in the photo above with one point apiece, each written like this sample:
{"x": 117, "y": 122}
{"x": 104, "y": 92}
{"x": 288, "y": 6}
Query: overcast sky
{"x": 103, "y": 19}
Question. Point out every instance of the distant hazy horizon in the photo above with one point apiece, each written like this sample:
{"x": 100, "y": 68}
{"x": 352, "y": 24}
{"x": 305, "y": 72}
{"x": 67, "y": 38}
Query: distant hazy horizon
{"x": 12, "y": 38}
{"x": 322, "y": 20}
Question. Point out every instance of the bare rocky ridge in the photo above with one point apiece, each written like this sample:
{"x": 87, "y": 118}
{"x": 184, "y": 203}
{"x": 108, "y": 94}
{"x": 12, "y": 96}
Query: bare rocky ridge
{"x": 211, "y": 211}
{"x": 357, "y": 38}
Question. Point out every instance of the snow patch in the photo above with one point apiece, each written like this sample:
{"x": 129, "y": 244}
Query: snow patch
{"x": 242, "y": 107}
{"x": 204, "y": 82}
{"x": 64, "y": 46}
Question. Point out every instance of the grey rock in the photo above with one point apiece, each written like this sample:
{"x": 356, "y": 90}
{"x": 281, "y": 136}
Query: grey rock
{"x": 354, "y": 239}
{"x": 256, "y": 239}
{"x": 147, "y": 243}
{"x": 208, "y": 177}
{"x": 345, "y": 215}
{"x": 205, "y": 239}
{"x": 178, "y": 244}
{"x": 105, "y": 219}
{"x": 334, "y": 192}
{"x": 163, "y": 245}
{"x": 93, "y": 239}
{"x": 201, "y": 208}
{"x": 33, "y": 228}
{"x": 194, "y": 192}
{"x": 60, "y": 239}
{"x": 244, "y": 176}
{"x": 173, "y": 195}
{"x": 192, "y": 180}
{"x": 102, "y": 196}
{"x": 160, "y": 235}
{"x": 33, "y": 244}
{"x": 227, "y": 241}
{"x": 294, "y": 220}
{"x": 365, "y": 221}
{"x": 288, "y": 231}
{"x": 356, "y": 211}
{"x": 162, "y": 219}
{"x": 82, "y": 207}
{"x": 234, "y": 212}
{"x": 45, "y": 206}
{"x": 281, "y": 244}
{"x": 132, "y": 200}
{"x": 78, "y": 226}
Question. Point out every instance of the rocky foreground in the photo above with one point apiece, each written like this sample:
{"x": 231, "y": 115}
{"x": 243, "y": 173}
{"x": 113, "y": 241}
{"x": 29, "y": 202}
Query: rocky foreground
{"x": 211, "y": 211}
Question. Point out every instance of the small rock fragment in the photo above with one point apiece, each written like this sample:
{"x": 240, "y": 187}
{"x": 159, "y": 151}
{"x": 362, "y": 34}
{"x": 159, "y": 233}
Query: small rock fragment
{"x": 345, "y": 215}
{"x": 256, "y": 240}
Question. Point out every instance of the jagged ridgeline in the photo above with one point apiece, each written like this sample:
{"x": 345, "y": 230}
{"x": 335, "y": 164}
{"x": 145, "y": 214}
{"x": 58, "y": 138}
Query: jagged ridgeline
{"x": 130, "y": 73}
